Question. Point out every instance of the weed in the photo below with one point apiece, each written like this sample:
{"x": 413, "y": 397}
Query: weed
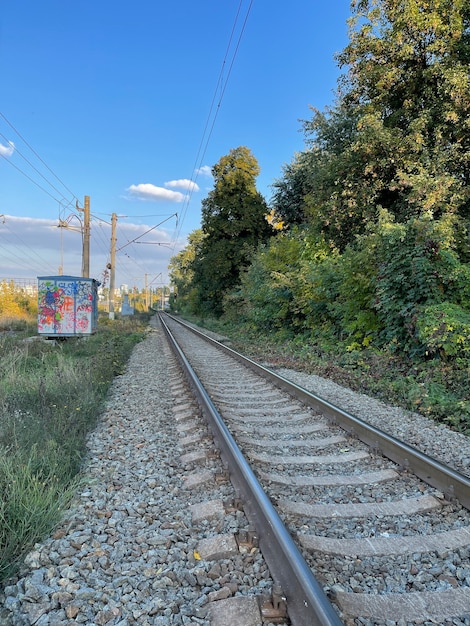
{"x": 33, "y": 497}
{"x": 437, "y": 388}
{"x": 51, "y": 394}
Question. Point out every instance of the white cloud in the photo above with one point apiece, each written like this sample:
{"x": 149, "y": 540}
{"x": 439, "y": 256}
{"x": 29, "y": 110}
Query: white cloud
{"x": 205, "y": 170}
{"x": 147, "y": 191}
{"x": 183, "y": 183}
{"x": 7, "y": 151}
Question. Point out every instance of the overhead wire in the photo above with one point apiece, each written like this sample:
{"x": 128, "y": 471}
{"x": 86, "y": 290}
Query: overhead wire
{"x": 24, "y": 252}
{"x": 120, "y": 259}
{"x": 146, "y": 232}
{"x": 31, "y": 179}
{"x": 220, "y": 89}
{"x": 19, "y": 258}
{"x": 53, "y": 191}
{"x": 129, "y": 256}
{"x": 204, "y": 143}
{"x": 37, "y": 155}
{"x": 102, "y": 224}
{"x": 34, "y": 168}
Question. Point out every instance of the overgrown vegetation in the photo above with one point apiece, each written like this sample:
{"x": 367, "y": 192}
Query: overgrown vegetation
{"x": 432, "y": 387}
{"x": 51, "y": 394}
{"x": 367, "y": 270}
{"x": 17, "y": 307}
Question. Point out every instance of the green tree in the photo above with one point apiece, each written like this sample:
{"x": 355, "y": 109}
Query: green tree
{"x": 417, "y": 269}
{"x": 291, "y": 189}
{"x": 398, "y": 136}
{"x": 291, "y": 283}
{"x": 181, "y": 273}
{"x": 339, "y": 204}
{"x": 233, "y": 224}
{"x": 408, "y": 78}
{"x": 268, "y": 287}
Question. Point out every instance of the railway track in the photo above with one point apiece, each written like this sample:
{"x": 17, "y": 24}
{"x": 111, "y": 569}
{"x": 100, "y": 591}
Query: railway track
{"x": 356, "y": 526}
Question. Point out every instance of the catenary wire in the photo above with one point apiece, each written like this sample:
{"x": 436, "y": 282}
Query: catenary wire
{"x": 33, "y": 167}
{"x": 221, "y": 83}
{"x": 205, "y": 141}
{"x": 37, "y": 155}
{"x": 31, "y": 179}
{"x": 23, "y": 252}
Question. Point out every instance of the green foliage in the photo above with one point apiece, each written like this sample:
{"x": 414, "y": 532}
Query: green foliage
{"x": 283, "y": 287}
{"x": 268, "y": 283}
{"x": 297, "y": 281}
{"x": 291, "y": 190}
{"x": 32, "y": 500}
{"x": 444, "y": 330}
{"x": 233, "y": 224}
{"x": 417, "y": 268}
{"x": 373, "y": 294}
{"x": 449, "y": 407}
{"x": 344, "y": 187}
{"x": 16, "y": 305}
{"x": 398, "y": 135}
{"x": 356, "y": 318}
{"x": 182, "y": 273}
{"x": 317, "y": 286}
{"x": 408, "y": 80}
{"x": 51, "y": 394}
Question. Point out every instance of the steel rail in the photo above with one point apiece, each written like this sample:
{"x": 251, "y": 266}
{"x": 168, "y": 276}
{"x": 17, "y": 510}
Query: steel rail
{"x": 307, "y": 604}
{"x": 452, "y": 484}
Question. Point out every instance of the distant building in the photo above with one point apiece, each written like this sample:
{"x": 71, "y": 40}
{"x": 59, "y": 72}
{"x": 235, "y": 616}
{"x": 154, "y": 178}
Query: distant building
{"x": 126, "y": 308}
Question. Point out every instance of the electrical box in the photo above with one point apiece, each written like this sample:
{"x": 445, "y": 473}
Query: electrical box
{"x": 67, "y": 306}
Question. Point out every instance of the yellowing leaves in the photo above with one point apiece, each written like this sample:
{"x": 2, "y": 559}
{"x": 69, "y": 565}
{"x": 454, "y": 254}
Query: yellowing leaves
{"x": 274, "y": 220}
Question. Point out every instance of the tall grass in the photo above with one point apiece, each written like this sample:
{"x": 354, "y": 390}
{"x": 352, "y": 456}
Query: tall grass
{"x": 33, "y": 496}
{"x": 51, "y": 394}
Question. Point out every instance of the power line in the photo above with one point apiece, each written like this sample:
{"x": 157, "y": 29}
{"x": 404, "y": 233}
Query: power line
{"x": 147, "y": 231}
{"x": 31, "y": 179}
{"x": 37, "y": 155}
{"x": 32, "y": 166}
{"x": 223, "y": 85}
{"x": 23, "y": 252}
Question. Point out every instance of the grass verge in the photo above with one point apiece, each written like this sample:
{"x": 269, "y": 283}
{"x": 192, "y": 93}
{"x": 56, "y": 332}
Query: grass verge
{"x": 435, "y": 388}
{"x": 51, "y": 394}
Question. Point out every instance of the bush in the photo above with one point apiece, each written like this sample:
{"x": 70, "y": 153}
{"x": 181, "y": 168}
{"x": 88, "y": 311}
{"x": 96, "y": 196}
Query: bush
{"x": 444, "y": 330}
{"x": 15, "y": 304}
{"x": 356, "y": 320}
{"x": 268, "y": 286}
{"x": 417, "y": 268}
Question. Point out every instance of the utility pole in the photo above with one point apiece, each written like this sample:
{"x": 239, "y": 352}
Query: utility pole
{"x": 86, "y": 237}
{"x": 146, "y": 292}
{"x": 112, "y": 266}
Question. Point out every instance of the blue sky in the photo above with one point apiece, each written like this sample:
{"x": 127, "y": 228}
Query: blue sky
{"x": 132, "y": 104}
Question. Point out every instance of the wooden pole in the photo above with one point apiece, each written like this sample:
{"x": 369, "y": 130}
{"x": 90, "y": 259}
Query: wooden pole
{"x": 112, "y": 269}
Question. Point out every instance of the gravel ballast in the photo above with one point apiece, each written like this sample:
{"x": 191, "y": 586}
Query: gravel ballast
{"x": 127, "y": 551}
{"x": 436, "y": 440}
